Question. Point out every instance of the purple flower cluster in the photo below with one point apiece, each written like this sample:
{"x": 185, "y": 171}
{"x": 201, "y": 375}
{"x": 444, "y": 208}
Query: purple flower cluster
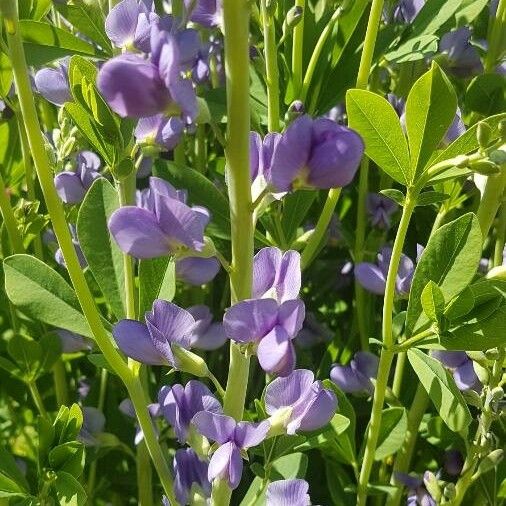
{"x": 462, "y": 368}
{"x": 274, "y": 316}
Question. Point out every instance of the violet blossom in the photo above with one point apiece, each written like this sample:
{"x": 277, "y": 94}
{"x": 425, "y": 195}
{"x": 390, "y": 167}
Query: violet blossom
{"x": 159, "y": 132}
{"x": 160, "y": 225}
{"x": 53, "y": 83}
{"x": 127, "y": 408}
{"x": 418, "y": 494}
{"x": 190, "y": 476}
{"x": 260, "y": 158}
{"x": 93, "y": 426}
{"x": 373, "y": 276}
{"x": 357, "y": 375}
{"x": 206, "y": 335}
{"x": 49, "y": 238}
{"x": 180, "y": 404}
{"x": 380, "y": 210}
{"x": 407, "y": 10}
{"x": 167, "y": 329}
{"x": 297, "y": 402}
{"x": 271, "y": 327}
{"x": 197, "y": 270}
{"x": 463, "y": 59}
{"x": 208, "y": 13}
{"x": 453, "y": 462}
{"x": 72, "y": 342}
{"x": 315, "y": 153}
{"x": 288, "y": 493}
{"x": 137, "y": 87}
{"x": 233, "y": 437}
{"x": 462, "y": 369}
{"x": 72, "y": 186}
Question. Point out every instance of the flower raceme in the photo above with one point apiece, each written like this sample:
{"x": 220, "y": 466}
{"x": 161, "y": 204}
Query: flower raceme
{"x": 161, "y": 224}
{"x": 356, "y": 377}
{"x": 462, "y": 368}
{"x": 53, "y": 83}
{"x": 233, "y": 437}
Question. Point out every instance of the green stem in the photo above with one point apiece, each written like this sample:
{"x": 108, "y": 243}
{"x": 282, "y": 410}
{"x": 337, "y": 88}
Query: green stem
{"x": 362, "y": 81}
{"x": 399, "y": 373}
{"x": 271, "y": 68}
{"x": 11, "y": 225}
{"x": 297, "y": 50}
{"x": 236, "y": 30}
{"x": 317, "y": 51}
{"x": 491, "y": 200}
{"x": 497, "y": 38}
{"x": 60, "y": 383}
{"x": 57, "y": 215}
{"x": 403, "y": 458}
{"x": 37, "y": 399}
{"x": 386, "y": 356}
{"x": 179, "y": 153}
{"x": 500, "y": 235}
{"x": 200, "y": 149}
{"x": 321, "y": 227}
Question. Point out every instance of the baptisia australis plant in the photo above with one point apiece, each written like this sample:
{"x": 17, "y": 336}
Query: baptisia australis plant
{"x": 177, "y": 160}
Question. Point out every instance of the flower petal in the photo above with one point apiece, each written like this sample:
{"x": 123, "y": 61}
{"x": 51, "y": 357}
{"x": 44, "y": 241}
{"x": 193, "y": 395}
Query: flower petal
{"x": 121, "y": 22}
{"x": 214, "y": 426}
{"x": 248, "y": 434}
{"x": 196, "y": 270}
{"x": 276, "y": 353}
{"x": 69, "y": 187}
{"x": 53, "y": 85}
{"x": 370, "y": 277}
{"x": 286, "y": 391}
{"x": 288, "y": 493}
{"x": 291, "y": 316}
{"x": 226, "y": 464}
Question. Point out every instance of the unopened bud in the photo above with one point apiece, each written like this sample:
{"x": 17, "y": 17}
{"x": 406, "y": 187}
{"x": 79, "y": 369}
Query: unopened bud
{"x": 189, "y": 362}
{"x": 497, "y": 394}
{"x": 483, "y": 134}
{"x": 295, "y": 110}
{"x": 432, "y": 485}
{"x": 123, "y": 169}
{"x": 462, "y": 161}
{"x": 294, "y": 16}
{"x": 449, "y": 491}
{"x": 498, "y": 156}
{"x": 270, "y": 7}
{"x": 485, "y": 167}
{"x": 490, "y": 461}
{"x": 497, "y": 273}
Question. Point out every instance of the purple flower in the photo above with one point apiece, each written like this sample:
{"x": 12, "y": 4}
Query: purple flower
{"x": 463, "y": 58}
{"x": 313, "y": 332}
{"x": 407, "y": 10}
{"x": 49, "y": 238}
{"x": 417, "y": 492}
{"x": 138, "y": 87}
{"x": 337, "y": 114}
{"x": 127, "y": 408}
{"x": 208, "y": 13}
{"x": 398, "y": 103}
{"x": 271, "y": 326}
{"x": 72, "y": 342}
{"x": 456, "y": 129}
{"x": 462, "y": 368}
{"x": 167, "y": 327}
{"x": 93, "y": 426}
{"x": 232, "y": 436}
{"x": 206, "y": 335}
{"x": 72, "y": 186}
{"x": 299, "y": 402}
{"x": 180, "y": 404}
{"x": 373, "y": 276}
{"x": 380, "y": 210}
{"x": 260, "y": 158}
{"x": 159, "y": 131}
{"x": 288, "y": 493}
{"x": 53, "y": 83}
{"x": 315, "y": 153}
{"x": 160, "y": 225}
{"x": 128, "y": 24}
{"x": 190, "y": 472}
{"x": 197, "y": 270}
{"x": 276, "y": 274}
{"x": 356, "y": 377}
{"x": 453, "y": 462}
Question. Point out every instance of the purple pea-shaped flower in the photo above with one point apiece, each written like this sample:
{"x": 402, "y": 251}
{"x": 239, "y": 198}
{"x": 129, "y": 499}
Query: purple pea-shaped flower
{"x": 462, "y": 368}
{"x": 93, "y": 426}
{"x": 180, "y": 404}
{"x": 417, "y": 492}
{"x": 206, "y": 335}
{"x": 315, "y": 153}
{"x": 297, "y": 402}
{"x": 197, "y": 270}
{"x": 380, "y": 210}
{"x": 407, "y": 10}
{"x": 233, "y": 437}
{"x": 356, "y": 376}
{"x": 463, "y": 59}
{"x": 159, "y": 131}
{"x": 208, "y": 13}
{"x": 53, "y": 83}
{"x": 190, "y": 475}
{"x": 288, "y": 493}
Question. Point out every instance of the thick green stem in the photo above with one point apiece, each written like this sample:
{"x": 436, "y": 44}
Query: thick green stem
{"x": 497, "y": 39}
{"x": 236, "y": 30}
{"x": 11, "y": 225}
{"x": 399, "y": 373}
{"x": 37, "y": 399}
{"x": 386, "y": 356}
{"x": 321, "y": 227}
{"x": 297, "y": 50}
{"x": 60, "y": 383}
{"x": 271, "y": 69}
{"x": 317, "y": 51}
{"x": 60, "y": 227}
{"x": 362, "y": 81}
{"x": 500, "y": 235}
{"x": 491, "y": 200}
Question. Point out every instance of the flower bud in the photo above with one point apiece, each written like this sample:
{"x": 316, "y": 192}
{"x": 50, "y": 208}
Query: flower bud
{"x": 295, "y": 110}
{"x": 189, "y": 362}
{"x": 498, "y": 156}
{"x": 462, "y": 161}
{"x": 483, "y": 134}
{"x": 432, "y": 485}
{"x": 497, "y": 273}
{"x": 490, "y": 461}
{"x": 270, "y": 7}
{"x": 497, "y": 394}
{"x": 485, "y": 167}
{"x": 294, "y": 16}
{"x": 449, "y": 491}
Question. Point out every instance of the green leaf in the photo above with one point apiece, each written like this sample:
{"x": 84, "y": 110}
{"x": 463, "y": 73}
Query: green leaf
{"x": 51, "y": 351}
{"x": 295, "y": 208}
{"x": 485, "y": 324}
{"x": 450, "y": 260}
{"x": 44, "y": 43}
{"x": 428, "y": 198}
{"x": 486, "y": 94}
{"x": 41, "y": 293}
{"x": 433, "y": 301}
{"x": 93, "y": 132}
{"x": 376, "y": 121}
{"x": 396, "y": 195}
{"x": 413, "y": 49}
{"x": 68, "y": 457}
{"x": 460, "y": 305}
{"x": 103, "y": 255}
{"x": 442, "y": 390}
{"x": 433, "y": 15}
{"x": 88, "y": 19}
{"x": 202, "y": 192}
{"x": 27, "y": 354}
{"x": 469, "y": 10}
{"x": 68, "y": 423}
{"x": 430, "y": 110}
{"x": 5, "y": 75}
{"x": 68, "y": 490}
{"x": 157, "y": 280}
{"x": 392, "y": 432}
{"x": 12, "y": 481}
